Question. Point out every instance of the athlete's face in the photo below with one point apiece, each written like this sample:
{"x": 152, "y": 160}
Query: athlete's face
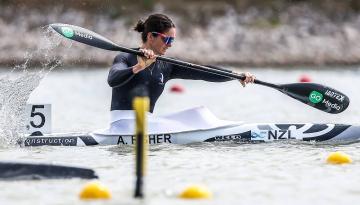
{"x": 162, "y": 41}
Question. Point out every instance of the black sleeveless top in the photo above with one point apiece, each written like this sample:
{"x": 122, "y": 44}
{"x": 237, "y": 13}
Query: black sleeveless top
{"x": 123, "y": 80}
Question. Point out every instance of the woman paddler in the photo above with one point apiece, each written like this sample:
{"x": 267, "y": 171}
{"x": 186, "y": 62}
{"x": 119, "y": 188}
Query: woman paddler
{"x": 128, "y": 71}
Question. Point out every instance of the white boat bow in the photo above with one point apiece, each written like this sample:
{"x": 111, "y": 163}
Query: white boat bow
{"x": 198, "y": 125}
{"x": 194, "y": 119}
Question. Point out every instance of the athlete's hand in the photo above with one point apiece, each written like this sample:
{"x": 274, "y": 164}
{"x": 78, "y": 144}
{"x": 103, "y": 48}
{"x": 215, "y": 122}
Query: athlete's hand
{"x": 144, "y": 61}
{"x": 249, "y": 78}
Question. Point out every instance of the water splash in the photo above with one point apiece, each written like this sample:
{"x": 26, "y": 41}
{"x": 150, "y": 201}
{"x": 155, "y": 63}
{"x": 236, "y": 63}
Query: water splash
{"x": 17, "y": 85}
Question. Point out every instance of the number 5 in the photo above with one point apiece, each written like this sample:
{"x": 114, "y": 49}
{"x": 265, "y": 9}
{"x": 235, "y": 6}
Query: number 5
{"x": 41, "y": 115}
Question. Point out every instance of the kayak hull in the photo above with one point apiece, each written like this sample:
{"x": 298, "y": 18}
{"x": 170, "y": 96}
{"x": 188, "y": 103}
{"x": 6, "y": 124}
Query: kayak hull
{"x": 256, "y": 132}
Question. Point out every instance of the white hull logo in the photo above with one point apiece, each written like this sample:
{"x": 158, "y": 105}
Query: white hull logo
{"x": 161, "y": 78}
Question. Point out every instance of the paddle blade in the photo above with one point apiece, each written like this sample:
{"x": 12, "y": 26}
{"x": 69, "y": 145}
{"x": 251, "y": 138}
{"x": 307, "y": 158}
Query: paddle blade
{"x": 318, "y": 96}
{"x": 27, "y": 171}
{"x": 85, "y": 36}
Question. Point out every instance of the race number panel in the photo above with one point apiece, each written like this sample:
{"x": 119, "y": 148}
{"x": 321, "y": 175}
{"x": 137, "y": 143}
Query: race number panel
{"x": 38, "y": 119}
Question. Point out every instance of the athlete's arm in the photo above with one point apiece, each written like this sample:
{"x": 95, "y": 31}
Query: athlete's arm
{"x": 120, "y": 71}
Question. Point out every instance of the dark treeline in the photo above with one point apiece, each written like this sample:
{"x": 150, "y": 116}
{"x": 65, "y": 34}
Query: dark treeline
{"x": 198, "y": 12}
{"x": 337, "y": 9}
{"x": 253, "y": 32}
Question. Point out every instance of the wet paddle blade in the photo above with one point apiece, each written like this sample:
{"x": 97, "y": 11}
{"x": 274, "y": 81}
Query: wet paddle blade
{"x": 318, "y": 96}
{"x": 90, "y": 38}
{"x": 85, "y": 36}
{"x": 27, "y": 171}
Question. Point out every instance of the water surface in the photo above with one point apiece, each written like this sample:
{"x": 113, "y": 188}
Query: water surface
{"x": 268, "y": 173}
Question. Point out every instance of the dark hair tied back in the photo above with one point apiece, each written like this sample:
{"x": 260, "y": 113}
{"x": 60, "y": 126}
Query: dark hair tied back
{"x": 140, "y": 26}
{"x": 154, "y": 23}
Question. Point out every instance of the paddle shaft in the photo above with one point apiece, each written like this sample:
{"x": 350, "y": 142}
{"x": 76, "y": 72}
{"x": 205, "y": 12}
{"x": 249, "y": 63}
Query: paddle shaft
{"x": 91, "y": 38}
{"x": 318, "y": 96}
{"x": 217, "y": 71}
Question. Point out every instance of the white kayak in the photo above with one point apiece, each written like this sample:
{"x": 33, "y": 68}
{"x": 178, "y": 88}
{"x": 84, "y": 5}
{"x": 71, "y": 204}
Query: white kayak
{"x": 197, "y": 125}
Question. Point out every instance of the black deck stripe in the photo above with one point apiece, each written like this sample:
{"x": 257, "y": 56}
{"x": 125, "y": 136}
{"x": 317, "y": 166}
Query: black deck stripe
{"x": 88, "y": 140}
{"x": 316, "y": 128}
{"x": 287, "y": 126}
{"x": 338, "y": 129}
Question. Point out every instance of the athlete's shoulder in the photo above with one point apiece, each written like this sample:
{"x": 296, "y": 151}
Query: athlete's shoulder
{"x": 124, "y": 57}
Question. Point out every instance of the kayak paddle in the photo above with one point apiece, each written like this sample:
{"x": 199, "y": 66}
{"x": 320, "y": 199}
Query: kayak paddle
{"x": 315, "y": 95}
{"x": 28, "y": 171}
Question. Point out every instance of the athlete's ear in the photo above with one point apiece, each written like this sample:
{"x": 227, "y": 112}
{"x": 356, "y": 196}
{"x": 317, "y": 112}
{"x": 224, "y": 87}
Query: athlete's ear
{"x": 150, "y": 37}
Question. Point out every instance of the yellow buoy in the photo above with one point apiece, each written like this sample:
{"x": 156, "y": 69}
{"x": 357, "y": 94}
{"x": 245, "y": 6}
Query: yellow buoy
{"x": 196, "y": 192}
{"x": 338, "y": 158}
{"x": 95, "y": 190}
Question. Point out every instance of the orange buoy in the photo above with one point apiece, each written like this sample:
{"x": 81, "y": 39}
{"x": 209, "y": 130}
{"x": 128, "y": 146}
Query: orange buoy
{"x": 305, "y": 78}
{"x": 176, "y": 88}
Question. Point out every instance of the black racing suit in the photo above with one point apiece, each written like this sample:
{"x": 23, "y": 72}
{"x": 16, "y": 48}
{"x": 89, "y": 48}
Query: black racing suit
{"x": 122, "y": 79}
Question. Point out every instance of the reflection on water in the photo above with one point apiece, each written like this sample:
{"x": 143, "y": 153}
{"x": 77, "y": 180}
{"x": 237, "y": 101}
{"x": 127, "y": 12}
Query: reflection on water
{"x": 124, "y": 150}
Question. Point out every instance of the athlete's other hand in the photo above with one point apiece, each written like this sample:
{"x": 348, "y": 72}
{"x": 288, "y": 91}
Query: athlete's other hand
{"x": 249, "y": 78}
{"x": 144, "y": 61}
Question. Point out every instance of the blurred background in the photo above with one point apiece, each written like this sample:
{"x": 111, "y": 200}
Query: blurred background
{"x": 229, "y": 32}
{"x": 322, "y": 36}
{"x": 318, "y": 38}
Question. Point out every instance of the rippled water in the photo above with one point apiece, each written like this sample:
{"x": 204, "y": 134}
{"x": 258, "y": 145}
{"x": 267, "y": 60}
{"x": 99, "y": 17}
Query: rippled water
{"x": 269, "y": 173}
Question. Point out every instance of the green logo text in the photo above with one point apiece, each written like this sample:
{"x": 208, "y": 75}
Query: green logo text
{"x": 315, "y": 97}
{"x": 67, "y": 32}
